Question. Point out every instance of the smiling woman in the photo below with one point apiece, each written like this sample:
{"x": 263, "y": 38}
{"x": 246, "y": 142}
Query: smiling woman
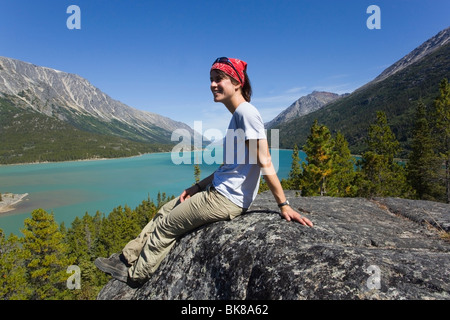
{"x": 225, "y": 194}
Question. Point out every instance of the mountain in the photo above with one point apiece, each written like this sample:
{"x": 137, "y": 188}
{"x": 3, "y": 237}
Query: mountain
{"x": 73, "y": 99}
{"x": 396, "y": 92}
{"x": 428, "y": 47}
{"x": 303, "y": 106}
{"x": 55, "y": 112}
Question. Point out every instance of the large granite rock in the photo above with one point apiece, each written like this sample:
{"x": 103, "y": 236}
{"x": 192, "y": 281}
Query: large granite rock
{"x": 358, "y": 249}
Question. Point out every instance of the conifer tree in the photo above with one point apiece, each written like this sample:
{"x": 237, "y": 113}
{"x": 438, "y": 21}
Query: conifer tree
{"x": 441, "y": 132}
{"x": 13, "y": 279}
{"x": 45, "y": 256}
{"x": 197, "y": 173}
{"x": 382, "y": 140}
{"x": 423, "y": 165}
{"x": 373, "y": 175}
{"x": 146, "y": 211}
{"x": 342, "y": 179}
{"x": 162, "y": 199}
{"x": 121, "y": 225}
{"x": 82, "y": 240}
{"x": 316, "y": 171}
{"x": 296, "y": 171}
{"x": 380, "y": 175}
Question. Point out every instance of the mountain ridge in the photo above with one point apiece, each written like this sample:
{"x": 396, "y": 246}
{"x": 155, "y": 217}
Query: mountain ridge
{"x": 72, "y": 98}
{"x": 426, "y": 48}
{"x": 303, "y": 106}
{"x": 396, "y": 95}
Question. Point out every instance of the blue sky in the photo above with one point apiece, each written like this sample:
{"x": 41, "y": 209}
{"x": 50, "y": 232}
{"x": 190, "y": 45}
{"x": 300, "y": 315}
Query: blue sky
{"x": 156, "y": 55}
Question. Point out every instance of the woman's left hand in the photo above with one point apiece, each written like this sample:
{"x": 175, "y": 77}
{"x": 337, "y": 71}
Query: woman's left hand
{"x": 291, "y": 215}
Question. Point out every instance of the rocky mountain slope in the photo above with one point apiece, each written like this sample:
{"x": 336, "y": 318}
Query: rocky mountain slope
{"x": 428, "y": 47}
{"x": 303, "y": 106}
{"x": 72, "y": 99}
{"x": 396, "y": 92}
{"x": 358, "y": 249}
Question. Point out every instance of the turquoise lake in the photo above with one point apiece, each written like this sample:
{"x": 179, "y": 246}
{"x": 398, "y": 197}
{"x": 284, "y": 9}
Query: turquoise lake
{"x": 70, "y": 189}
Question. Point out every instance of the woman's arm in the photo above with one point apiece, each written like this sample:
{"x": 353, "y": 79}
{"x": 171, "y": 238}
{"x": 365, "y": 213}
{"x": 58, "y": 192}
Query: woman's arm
{"x": 271, "y": 178}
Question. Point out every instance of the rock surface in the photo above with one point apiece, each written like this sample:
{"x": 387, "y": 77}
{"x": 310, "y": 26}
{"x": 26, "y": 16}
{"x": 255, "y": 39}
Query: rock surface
{"x": 358, "y": 249}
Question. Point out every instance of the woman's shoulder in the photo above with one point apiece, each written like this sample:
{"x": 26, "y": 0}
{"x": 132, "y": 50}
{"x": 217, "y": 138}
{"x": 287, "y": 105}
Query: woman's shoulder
{"x": 247, "y": 114}
{"x": 246, "y": 108}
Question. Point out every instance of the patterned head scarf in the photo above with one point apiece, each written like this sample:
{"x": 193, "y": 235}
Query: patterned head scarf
{"x": 233, "y": 67}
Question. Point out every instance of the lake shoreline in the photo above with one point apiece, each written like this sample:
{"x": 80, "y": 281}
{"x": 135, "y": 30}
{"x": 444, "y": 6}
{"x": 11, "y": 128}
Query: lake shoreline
{"x": 95, "y": 159}
{"x": 9, "y": 200}
{"x": 79, "y": 160}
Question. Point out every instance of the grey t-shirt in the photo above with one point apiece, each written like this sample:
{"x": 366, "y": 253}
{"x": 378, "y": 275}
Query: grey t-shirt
{"x": 238, "y": 177}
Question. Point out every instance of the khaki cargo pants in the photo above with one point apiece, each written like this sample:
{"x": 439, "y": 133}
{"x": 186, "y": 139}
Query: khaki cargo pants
{"x": 173, "y": 220}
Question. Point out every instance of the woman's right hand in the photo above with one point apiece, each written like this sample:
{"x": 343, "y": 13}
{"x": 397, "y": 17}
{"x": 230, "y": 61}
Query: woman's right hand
{"x": 189, "y": 192}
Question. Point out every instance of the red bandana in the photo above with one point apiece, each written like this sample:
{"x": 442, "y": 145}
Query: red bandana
{"x": 239, "y": 65}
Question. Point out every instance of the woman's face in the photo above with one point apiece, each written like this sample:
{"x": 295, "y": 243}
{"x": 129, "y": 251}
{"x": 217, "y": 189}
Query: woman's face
{"x": 221, "y": 87}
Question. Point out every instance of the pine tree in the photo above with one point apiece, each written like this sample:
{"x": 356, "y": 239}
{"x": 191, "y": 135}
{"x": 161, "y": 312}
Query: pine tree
{"x": 380, "y": 175}
{"x": 318, "y": 149}
{"x": 162, "y": 199}
{"x": 296, "y": 171}
{"x": 46, "y": 257}
{"x": 382, "y": 140}
{"x": 82, "y": 240}
{"x": 371, "y": 174}
{"x": 197, "y": 173}
{"x": 146, "y": 211}
{"x": 441, "y": 123}
{"x": 13, "y": 279}
{"x": 342, "y": 179}
{"x": 121, "y": 225}
{"x": 423, "y": 165}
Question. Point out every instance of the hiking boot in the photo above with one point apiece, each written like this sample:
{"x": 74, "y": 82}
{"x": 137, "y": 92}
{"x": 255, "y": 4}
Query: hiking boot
{"x": 116, "y": 265}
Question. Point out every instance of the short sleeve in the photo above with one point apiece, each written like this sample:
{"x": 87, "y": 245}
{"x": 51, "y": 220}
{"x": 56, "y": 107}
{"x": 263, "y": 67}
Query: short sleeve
{"x": 250, "y": 120}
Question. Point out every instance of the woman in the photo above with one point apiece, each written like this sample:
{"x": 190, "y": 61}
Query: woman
{"x": 224, "y": 195}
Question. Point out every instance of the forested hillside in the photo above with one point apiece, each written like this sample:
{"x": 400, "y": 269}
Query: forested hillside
{"x": 29, "y": 136}
{"x": 397, "y": 96}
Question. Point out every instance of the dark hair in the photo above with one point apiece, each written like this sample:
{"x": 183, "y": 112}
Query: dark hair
{"x": 246, "y": 90}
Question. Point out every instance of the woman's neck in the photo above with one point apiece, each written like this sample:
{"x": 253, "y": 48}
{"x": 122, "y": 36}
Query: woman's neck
{"x": 234, "y": 103}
